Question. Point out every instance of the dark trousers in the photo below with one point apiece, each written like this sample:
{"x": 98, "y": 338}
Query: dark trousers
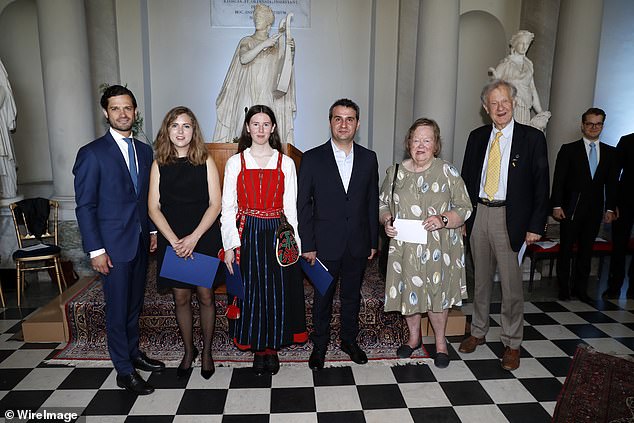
{"x": 583, "y": 232}
{"x": 351, "y": 270}
{"x": 621, "y": 233}
{"x": 124, "y": 291}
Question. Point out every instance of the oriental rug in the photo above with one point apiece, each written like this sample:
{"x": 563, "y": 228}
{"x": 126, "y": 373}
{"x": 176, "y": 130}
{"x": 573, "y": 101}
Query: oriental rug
{"x": 380, "y": 333}
{"x": 599, "y": 388}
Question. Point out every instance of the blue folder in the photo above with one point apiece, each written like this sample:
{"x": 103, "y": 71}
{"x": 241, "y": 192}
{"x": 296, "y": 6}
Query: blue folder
{"x": 234, "y": 283}
{"x": 199, "y": 270}
{"x": 317, "y": 274}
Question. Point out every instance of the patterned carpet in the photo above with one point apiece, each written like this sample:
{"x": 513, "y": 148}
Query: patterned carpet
{"x": 380, "y": 333}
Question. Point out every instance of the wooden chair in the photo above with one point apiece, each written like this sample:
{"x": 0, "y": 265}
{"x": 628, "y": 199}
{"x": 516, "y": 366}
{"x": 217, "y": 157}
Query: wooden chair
{"x": 33, "y": 253}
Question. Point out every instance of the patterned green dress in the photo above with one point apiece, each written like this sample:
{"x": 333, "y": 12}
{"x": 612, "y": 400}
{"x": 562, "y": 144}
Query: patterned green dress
{"x": 422, "y": 277}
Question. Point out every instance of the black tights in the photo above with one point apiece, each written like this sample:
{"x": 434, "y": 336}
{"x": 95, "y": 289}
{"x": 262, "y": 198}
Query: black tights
{"x": 185, "y": 320}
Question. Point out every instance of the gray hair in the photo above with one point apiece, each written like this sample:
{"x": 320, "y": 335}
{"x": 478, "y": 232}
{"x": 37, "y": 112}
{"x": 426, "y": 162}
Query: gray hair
{"x": 497, "y": 83}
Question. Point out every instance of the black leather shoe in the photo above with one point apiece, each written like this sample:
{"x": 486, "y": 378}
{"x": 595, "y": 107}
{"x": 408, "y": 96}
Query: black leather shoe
{"x": 182, "y": 372}
{"x": 317, "y": 359}
{"x": 405, "y": 351}
{"x": 271, "y": 363}
{"x": 143, "y": 362}
{"x": 441, "y": 360}
{"x": 354, "y": 351}
{"x": 135, "y": 384}
{"x": 258, "y": 364}
{"x": 207, "y": 374}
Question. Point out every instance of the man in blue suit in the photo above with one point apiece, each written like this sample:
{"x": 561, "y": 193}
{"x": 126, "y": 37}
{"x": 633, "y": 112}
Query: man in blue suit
{"x": 338, "y": 213}
{"x": 111, "y": 191}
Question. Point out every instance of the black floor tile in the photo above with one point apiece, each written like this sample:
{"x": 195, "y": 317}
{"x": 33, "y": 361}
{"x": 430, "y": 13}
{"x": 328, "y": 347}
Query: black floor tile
{"x": 110, "y": 402}
{"x": 333, "y": 376}
{"x": 558, "y": 366}
{"x": 537, "y": 319}
{"x": 149, "y": 419}
{"x": 586, "y": 331}
{"x": 493, "y": 323}
{"x": 466, "y": 393}
{"x": 498, "y": 349}
{"x": 488, "y": 369}
{"x": 550, "y": 306}
{"x": 434, "y": 414}
{"x": 628, "y": 342}
{"x": 569, "y": 346}
{"x": 246, "y": 418}
{"x": 629, "y": 325}
{"x": 413, "y": 373}
{"x": 375, "y": 397}
{"x": 16, "y": 313}
{"x": 532, "y": 334}
{"x": 39, "y": 345}
{"x": 245, "y": 378}
{"x": 531, "y": 412}
{"x": 82, "y": 378}
{"x": 15, "y": 328}
{"x": 4, "y": 354}
{"x": 293, "y": 400}
{"x": 605, "y": 305}
{"x": 23, "y": 400}
{"x": 341, "y": 417}
{"x": 11, "y": 377}
{"x": 595, "y": 317}
{"x": 543, "y": 389}
{"x": 167, "y": 379}
{"x": 202, "y": 401}
{"x": 495, "y": 308}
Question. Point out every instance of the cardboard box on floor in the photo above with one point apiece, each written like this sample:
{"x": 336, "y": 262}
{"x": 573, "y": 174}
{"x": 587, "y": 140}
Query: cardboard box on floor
{"x": 456, "y": 322}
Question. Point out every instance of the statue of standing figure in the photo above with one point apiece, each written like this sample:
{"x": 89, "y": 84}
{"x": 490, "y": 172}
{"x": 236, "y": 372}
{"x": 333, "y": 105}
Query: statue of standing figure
{"x": 517, "y": 69}
{"x": 261, "y": 72}
{"x": 8, "y": 113}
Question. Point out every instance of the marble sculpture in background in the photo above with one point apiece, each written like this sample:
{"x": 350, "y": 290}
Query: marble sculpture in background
{"x": 8, "y": 177}
{"x": 517, "y": 69}
{"x": 261, "y": 72}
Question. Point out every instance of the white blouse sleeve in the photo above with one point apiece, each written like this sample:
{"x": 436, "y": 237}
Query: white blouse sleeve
{"x": 230, "y": 236}
{"x": 290, "y": 195}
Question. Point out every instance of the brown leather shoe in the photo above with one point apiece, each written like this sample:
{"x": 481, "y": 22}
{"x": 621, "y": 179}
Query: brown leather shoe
{"x": 511, "y": 359}
{"x": 468, "y": 345}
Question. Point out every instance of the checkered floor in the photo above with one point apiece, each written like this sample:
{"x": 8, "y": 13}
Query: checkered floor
{"x": 474, "y": 388}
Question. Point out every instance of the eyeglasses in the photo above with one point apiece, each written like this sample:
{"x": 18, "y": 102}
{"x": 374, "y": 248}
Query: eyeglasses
{"x": 593, "y": 125}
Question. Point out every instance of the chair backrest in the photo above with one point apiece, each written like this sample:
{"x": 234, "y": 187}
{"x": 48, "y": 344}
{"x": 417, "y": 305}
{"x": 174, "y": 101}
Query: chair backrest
{"x": 29, "y": 214}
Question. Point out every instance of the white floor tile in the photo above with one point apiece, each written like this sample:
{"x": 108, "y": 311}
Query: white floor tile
{"x": 531, "y": 368}
{"x": 70, "y": 398}
{"x": 43, "y": 378}
{"x": 161, "y": 402}
{"x": 616, "y": 330}
{"x": 609, "y": 346}
{"x": 248, "y": 401}
{"x": 111, "y": 381}
{"x": 106, "y": 419}
{"x": 543, "y": 348}
{"x": 220, "y": 379}
{"x": 7, "y": 324}
{"x": 198, "y": 419}
{"x": 6, "y": 344}
{"x": 293, "y": 418}
{"x": 456, "y": 371}
{"x": 621, "y": 316}
{"x": 24, "y": 359}
{"x": 337, "y": 398}
{"x": 556, "y": 332}
{"x": 480, "y": 413}
{"x": 627, "y": 304}
{"x": 3, "y": 393}
{"x": 482, "y": 352}
{"x": 505, "y": 391}
{"x": 549, "y": 406}
{"x": 493, "y": 335}
{"x": 577, "y": 306}
{"x": 401, "y": 415}
{"x": 567, "y": 318}
{"x": 531, "y": 308}
{"x": 293, "y": 377}
{"x": 426, "y": 394}
{"x": 373, "y": 375}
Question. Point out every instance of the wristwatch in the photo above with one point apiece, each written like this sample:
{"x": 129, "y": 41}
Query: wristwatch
{"x": 444, "y": 219}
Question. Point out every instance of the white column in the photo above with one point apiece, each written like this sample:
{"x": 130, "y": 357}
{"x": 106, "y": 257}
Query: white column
{"x": 67, "y": 91}
{"x": 437, "y": 67}
{"x": 574, "y": 71}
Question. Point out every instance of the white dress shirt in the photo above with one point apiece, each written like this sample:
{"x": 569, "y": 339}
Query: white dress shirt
{"x": 344, "y": 163}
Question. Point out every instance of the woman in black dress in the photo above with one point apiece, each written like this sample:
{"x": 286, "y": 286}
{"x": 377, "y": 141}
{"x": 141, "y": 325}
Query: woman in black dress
{"x": 184, "y": 203}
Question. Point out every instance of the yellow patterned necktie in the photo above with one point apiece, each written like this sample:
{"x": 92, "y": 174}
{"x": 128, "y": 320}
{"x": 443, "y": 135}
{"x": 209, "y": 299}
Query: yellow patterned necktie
{"x": 493, "y": 169}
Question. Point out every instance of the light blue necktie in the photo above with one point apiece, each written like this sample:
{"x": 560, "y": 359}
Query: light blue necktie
{"x": 592, "y": 158}
{"x": 132, "y": 163}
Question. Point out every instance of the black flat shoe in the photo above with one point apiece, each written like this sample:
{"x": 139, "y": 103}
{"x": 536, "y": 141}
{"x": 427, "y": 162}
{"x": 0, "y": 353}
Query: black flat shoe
{"x": 259, "y": 367}
{"x": 405, "y": 351}
{"x": 441, "y": 360}
{"x": 143, "y": 362}
{"x": 135, "y": 384}
{"x": 317, "y": 359}
{"x": 272, "y": 363}
{"x": 354, "y": 351}
{"x": 207, "y": 374}
{"x": 181, "y": 372}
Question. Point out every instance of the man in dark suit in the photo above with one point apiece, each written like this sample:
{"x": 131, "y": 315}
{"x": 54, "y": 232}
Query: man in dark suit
{"x": 584, "y": 187}
{"x": 111, "y": 190}
{"x": 622, "y": 226}
{"x": 505, "y": 169}
{"x": 338, "y": 211}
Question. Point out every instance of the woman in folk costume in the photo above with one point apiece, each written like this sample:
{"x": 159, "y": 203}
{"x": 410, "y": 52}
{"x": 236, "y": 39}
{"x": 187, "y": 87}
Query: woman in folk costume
{"x": 260, "y": 184}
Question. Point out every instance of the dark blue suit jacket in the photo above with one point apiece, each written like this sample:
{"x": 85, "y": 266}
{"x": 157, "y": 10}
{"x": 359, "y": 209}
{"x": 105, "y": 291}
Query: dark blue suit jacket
{"x": 527, "y": 190}
{"x": 109, "y": 212}
{"x": 331, "y": 219}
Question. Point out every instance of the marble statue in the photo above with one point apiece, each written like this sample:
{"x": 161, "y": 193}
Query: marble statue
{"x": 261, "y": 72}
{"x": 517, "y": 69}
{"x": 8, "y": 177}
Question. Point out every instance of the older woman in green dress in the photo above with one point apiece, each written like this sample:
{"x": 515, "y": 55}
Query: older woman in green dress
{"x": 425, "y": 277}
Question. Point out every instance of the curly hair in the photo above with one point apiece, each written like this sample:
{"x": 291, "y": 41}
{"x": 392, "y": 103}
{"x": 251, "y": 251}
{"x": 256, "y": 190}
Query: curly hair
{"x": 165, "y": 150}
{"x": 246, "y": 140}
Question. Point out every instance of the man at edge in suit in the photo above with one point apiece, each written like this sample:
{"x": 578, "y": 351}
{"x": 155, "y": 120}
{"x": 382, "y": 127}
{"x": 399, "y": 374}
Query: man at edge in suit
{"x": 111, "y": 190}
{"x": 338, "y": 213}
{"x": 584, "y": 187}
{"x": 505, "y": 169}
{"x": 622, "y": 226}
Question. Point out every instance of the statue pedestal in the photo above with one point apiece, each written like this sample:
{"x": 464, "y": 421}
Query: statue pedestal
{"x": 9, "y": 242}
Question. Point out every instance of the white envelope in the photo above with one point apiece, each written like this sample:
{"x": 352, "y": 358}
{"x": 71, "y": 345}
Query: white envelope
{"x": 410, "y": 230}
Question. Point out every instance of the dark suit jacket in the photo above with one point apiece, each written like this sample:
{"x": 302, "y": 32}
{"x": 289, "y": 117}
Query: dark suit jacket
{"x": 331, "y": 219}
{"x": 528, "y": 180}
{"x": 625, "y": 167}
{"x": 109, "y": 212}
{"x": 574, "y": 189}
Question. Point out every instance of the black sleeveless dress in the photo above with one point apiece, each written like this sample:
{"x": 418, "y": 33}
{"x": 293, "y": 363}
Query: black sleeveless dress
{"x": 184, "y": 200}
